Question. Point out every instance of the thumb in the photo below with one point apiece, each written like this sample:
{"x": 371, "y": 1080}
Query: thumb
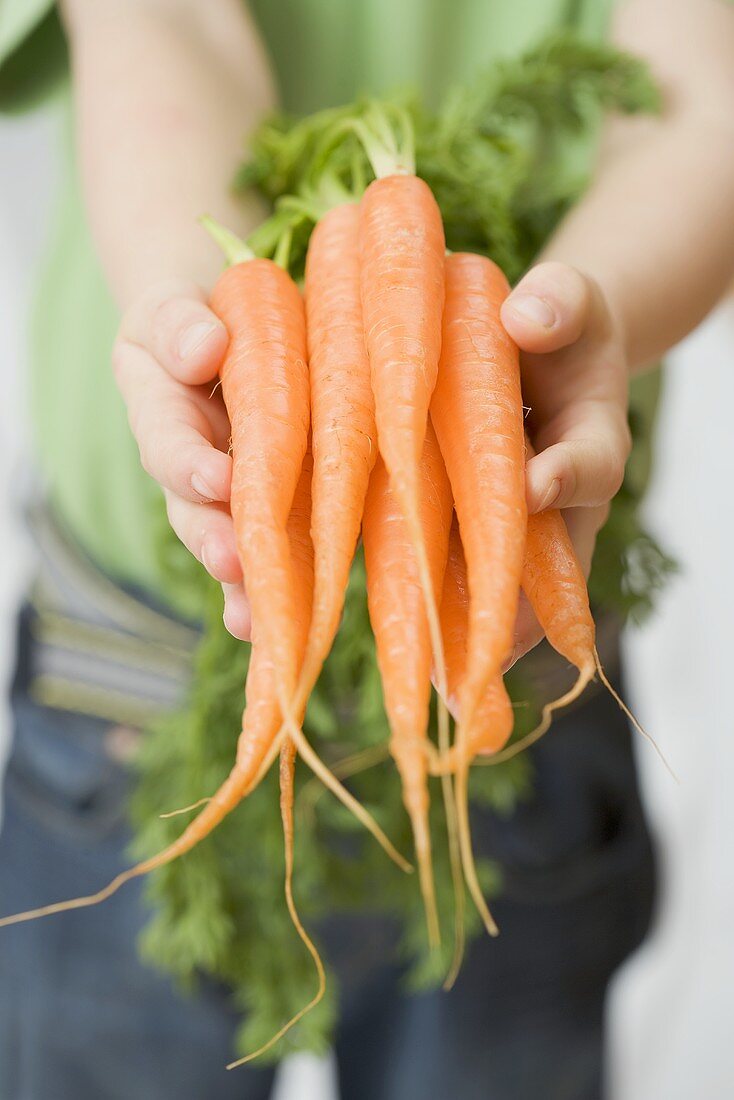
{"x": 550, "y": 308}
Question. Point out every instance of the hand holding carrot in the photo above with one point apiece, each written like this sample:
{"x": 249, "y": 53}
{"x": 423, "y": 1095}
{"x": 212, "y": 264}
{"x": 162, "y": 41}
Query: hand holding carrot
{"x": 575, "y": 382}
{"x": 167, "y": 356}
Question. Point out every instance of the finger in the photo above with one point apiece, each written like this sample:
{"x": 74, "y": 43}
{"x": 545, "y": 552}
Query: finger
{"x": 172, "y": 431}
{"x": 550, "y": 308}
{"x": 237, "y": 612}
{"x": 207, "y": 531}
{"x": 174, "y": 323}
{"x": 584, "y": 524}
{"x": 585, "y": 468}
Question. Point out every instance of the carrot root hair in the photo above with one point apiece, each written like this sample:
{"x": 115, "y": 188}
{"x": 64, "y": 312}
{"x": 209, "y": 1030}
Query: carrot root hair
{"x": 467, "y": 851}
{"x": 630, "y": 716}
{"x": 422, "y": 837}
{"x": 186, "y": 809}
{"x": 565, "y": 700}
{"x": 82, "y": 902}
{"x": 160, "y": 859}
{"x": 286, "y": 806}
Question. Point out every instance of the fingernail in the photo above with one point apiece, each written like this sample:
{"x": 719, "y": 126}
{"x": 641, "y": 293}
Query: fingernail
{"x": 200, "y": 486}
{"x": 533, "y": 309}
{"x": 193, "y": 337}
{"x": 550, "y": 497}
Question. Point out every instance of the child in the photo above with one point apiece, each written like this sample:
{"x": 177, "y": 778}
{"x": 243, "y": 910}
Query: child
{"x": 163, "y": 93}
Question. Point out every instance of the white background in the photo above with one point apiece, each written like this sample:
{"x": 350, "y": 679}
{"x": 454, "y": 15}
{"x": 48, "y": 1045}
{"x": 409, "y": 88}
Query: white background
{"x": 672, "y": 1006}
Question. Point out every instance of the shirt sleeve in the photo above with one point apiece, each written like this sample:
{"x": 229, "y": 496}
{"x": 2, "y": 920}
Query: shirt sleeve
{"x": 33, "y": 54}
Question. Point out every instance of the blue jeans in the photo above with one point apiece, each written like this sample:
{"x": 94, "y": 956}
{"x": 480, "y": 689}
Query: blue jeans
{"x": 82, "y": 1019}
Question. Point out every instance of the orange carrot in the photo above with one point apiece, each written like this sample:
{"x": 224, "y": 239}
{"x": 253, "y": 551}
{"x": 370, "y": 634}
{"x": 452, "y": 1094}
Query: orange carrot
{"x": 477, "y": 412}
{"x": 266, "y": 393}
{"x": 554, "y": 583}
{"x": 400, "y": 625}
{"x": 402, "y": 254}
{"x": 343, "y": 422}
{"x": 402, "y": 247}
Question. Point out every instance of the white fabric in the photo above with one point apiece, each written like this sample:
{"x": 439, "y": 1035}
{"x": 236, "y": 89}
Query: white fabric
{"x": 672, "y": 1007}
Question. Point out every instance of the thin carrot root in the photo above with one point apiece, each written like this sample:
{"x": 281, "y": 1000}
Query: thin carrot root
{"x": 422, "y": 836}
{"x": 287, "y": 763}
{"x": 269, "y": 759}
{"x": 630, "y": 716}
{"x": 79, "y": 903}
{"x": 317, "y": 766}
{"x": 185, "y": 809}
{"x": 160, "y": 859}
{"x": 447, "y": 790}
{"x": 457, "y": 878}
{"x": 467, "y": 852}
{"x": 452, "y": 830}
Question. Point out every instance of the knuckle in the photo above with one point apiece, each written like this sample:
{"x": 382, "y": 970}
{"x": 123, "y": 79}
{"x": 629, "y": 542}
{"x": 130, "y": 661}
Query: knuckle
{"x": 171, "y": 314}
{"x": 571, "y": 285}
{"x": 155, "y": 453}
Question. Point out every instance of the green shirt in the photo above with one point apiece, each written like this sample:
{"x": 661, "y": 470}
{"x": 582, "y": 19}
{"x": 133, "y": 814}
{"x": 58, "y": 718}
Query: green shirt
{"x": 324, "y": 52}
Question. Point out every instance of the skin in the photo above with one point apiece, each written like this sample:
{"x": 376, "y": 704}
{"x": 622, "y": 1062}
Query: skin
{"x": 634, "y": 267}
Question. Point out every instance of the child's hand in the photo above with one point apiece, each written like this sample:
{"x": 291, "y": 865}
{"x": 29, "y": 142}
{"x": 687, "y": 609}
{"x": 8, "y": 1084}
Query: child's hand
{"x": 575, "y": 382}
{"x": 166, "y": 359}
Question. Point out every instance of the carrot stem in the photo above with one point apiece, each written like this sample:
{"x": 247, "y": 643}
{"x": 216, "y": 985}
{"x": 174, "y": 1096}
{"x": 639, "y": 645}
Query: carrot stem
{"x": 235, "y": 250}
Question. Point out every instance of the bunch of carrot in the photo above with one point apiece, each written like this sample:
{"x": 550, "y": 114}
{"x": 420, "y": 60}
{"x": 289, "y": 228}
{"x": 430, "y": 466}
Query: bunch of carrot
{"x": 384, "y": 401}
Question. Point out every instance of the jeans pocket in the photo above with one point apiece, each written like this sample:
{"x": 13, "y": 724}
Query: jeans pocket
{"x": 60, "y": 772}
{"x": 584, "y": 827}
